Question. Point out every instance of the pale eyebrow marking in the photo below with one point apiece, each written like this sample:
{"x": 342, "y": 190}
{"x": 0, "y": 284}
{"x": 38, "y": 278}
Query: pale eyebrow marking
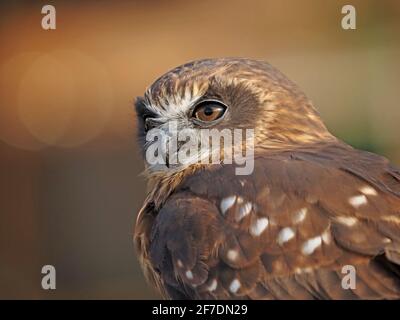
{"x": 172, "y": 105}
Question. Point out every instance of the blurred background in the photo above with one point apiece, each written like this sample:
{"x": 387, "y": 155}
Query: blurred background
{"x": 70, "y": 183}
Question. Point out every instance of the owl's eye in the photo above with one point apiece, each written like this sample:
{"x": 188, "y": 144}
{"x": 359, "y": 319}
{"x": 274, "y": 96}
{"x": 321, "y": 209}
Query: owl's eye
{"x": 208, "y": 111}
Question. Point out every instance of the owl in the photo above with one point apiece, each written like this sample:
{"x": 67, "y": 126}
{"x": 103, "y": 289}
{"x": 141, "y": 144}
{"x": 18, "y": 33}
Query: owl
{"x": 314, "y": 218}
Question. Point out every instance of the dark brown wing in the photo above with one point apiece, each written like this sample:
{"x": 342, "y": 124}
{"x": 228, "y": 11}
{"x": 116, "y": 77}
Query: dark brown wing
{"x": 284, "y": 232}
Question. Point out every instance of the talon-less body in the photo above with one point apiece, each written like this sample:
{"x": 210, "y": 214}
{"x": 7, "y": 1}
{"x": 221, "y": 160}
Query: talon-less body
{"x": 312, "y": 205}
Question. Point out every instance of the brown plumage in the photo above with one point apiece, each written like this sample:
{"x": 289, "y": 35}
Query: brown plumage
{"x": 311, "y": 206}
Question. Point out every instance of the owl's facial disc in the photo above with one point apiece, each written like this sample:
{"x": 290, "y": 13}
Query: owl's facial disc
{"x": 198, "y": 133}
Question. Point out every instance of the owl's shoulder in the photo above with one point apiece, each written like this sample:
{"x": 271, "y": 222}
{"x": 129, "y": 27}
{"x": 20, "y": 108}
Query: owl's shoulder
{"x": 298, "y": 169}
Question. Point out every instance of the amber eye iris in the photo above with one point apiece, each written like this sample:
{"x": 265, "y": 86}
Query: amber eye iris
{"x": 209, "y": 111}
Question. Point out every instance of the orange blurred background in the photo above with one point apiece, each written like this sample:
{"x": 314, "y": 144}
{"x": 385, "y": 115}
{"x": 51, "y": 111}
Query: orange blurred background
{"x": 69, "y": 165}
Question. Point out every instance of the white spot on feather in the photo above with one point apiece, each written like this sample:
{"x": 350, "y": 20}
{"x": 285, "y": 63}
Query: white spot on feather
{"x": 348, "y": 221}
{"x": 244, "y": 211}
{"x": 300, "y": 215}
{"x": 258, "y": 226}
{"x": 326, "y": 237}
{"x": 189, "y": 274}
{"x": 227, "y": 203}
{"x": 311, "y": 245}
{"x": 358, "y": 201}
{"x": 234, "y": 286}
{"x": 368, "y": 191}
{"x": 212, "y": 286}
{"x": 303, "y": 270}
{"x": 232, "y": 254}
{"x": 392, "y": 218}
{"x": 179, "y": 263}
{"x": 285, "y": 235}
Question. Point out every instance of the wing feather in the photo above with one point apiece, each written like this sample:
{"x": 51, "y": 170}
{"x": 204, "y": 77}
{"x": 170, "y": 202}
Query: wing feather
{"x": 284, "y": 232}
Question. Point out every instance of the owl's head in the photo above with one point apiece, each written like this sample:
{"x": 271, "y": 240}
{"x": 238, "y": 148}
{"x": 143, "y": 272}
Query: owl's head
{"x": 222, "y": 97}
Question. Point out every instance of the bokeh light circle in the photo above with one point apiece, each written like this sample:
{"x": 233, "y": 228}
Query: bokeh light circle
{"x": 65, "y": 98}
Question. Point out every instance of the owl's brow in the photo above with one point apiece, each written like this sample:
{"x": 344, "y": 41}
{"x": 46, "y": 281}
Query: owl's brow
{"x": 167, "y": 104}
{"x": 142, "y": 108}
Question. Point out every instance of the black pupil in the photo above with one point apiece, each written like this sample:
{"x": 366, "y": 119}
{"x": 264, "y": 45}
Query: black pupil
{"x": 208, "y": 111}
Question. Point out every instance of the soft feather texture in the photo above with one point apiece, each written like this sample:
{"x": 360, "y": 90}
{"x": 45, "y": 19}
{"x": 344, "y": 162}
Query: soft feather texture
{"x": 312, "y": 205}
{"x": 191, "y": 229}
